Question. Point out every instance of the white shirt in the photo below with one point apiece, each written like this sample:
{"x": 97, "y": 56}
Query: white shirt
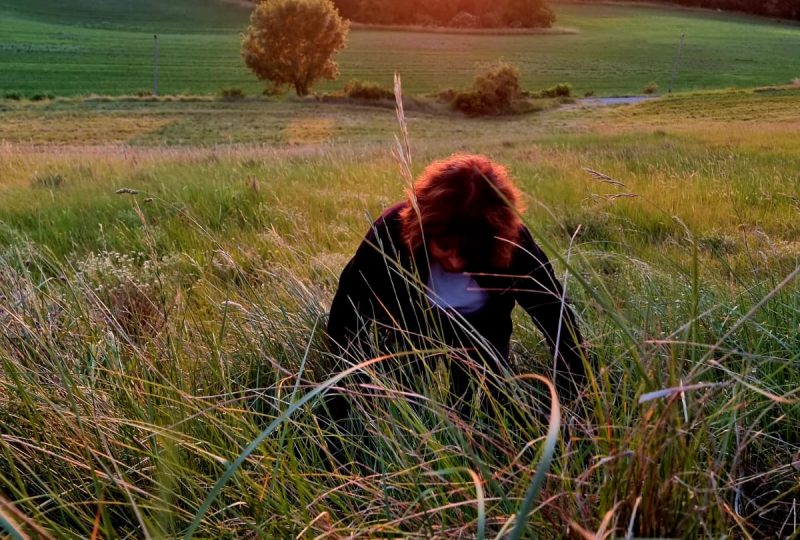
{"x": 454, "y": 290}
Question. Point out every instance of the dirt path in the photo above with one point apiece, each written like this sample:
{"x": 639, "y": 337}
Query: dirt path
{"x": 601, "y": 101}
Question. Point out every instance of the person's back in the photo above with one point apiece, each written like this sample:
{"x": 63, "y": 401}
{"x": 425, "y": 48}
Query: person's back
{"x": 444, "y": 270}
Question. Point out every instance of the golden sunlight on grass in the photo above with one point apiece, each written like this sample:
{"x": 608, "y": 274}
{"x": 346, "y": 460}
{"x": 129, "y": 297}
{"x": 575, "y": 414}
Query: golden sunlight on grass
{"x": 308, "y": 130}
{"x": 99, "y": 129}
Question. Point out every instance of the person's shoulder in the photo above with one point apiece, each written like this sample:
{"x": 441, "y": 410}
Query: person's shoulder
{"x": 393, "y": 212}
{"x": 391, "y": 217}
{"x": 389, "y": 224}
{"x": 527, "y": 251}
{"x": 525, "y": 238}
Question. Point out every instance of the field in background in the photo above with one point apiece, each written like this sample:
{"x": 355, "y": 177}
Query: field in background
{"x": 163, "y": 291}
{"x": 103, "y": 47}
{"x": 655, "y": 142}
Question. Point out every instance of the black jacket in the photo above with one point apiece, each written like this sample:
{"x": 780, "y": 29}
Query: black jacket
{"x": 382, "y": 287}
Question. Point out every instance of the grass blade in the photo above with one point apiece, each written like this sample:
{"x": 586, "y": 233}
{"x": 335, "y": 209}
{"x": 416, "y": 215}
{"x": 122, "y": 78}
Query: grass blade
{"x": 548, "y": 451}
{"x": 250, "y": 448}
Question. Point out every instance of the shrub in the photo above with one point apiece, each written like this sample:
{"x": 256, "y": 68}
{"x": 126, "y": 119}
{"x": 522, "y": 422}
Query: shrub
{"x": 367, "y": 90}
{"x": 493, "y": 91}
{"x": 16, "y": 96}
{"x": 274, "y": 90}
{"x": 41, "y": 96}
{"x": 588, "y": 93}
{"x": 232, "y": 94}
{"x": 559, "y": 90}
{"x": 650, "y": 88}
{"x": 447, "y": 95}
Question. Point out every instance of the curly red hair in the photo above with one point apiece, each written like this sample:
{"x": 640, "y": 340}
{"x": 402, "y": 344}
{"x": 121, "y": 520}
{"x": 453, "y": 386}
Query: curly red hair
{"x": 468, "y": 199}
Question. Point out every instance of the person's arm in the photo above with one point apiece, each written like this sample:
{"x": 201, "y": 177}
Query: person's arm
{"x": 538, "y": 291}
{"x": 351, "y": 305}
{"x": 365, "y": 289}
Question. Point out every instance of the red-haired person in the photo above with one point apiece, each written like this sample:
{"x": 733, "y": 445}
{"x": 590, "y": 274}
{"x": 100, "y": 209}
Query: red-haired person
{"x": 446, "y": 270}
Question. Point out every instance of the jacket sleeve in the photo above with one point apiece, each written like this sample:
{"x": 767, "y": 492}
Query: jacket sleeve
{"x": 357, "y": 297}
{"x": 538, "y": 291}
{"x": 350, "y": 300}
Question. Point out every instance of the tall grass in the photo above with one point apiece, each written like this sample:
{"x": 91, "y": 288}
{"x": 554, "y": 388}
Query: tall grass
{"x": 114, "y": 424}
{"x": 162, "y": 377}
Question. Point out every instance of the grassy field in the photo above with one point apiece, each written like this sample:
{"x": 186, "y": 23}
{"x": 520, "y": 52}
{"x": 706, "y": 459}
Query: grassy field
{"x": 150, "y": 335}
{"x": 106, "y": 47}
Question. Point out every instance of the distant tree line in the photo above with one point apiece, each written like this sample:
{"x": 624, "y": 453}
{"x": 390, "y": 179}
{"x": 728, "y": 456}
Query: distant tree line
{"x": 455, "y": 13}
{"x": 787, "y": 9}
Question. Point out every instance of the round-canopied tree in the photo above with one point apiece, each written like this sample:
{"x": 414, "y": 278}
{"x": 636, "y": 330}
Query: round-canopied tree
{"x": 293, "y": 42}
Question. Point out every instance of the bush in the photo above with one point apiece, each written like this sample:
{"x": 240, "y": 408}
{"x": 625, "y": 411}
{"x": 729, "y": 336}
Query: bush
{"x": 447, "y": 95}
{"x": 16, "y": 96}
{"x": 273, "y": 89}
{"x": 559, "y": 90}
{"x": 367, "y": 90}
{"x": 41, "y": 96}
{"x": 650, "y": 88}
{"x": 588, "y": 93}
{"x": 493, "y": 92}
{"x": 232, "y": 94}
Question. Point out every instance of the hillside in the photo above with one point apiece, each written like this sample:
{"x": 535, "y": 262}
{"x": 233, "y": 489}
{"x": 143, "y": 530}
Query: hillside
{"x": 183, "y": 16}
{"x": 106, "y": 47}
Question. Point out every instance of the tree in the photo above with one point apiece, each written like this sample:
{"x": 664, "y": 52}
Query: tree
{"x": 488, "y": 13}
{"x": 293, "y": 42}
{"x": 528, "y": 14}
{"x": 347, "y": 8}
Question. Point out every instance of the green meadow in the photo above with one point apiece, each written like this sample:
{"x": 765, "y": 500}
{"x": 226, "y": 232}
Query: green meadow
{"x": 106, "y": 47}
{"x": 167, "y": 265}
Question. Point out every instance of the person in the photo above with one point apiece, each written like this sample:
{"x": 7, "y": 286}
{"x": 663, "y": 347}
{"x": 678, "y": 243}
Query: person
{"x": 444, "y": 269}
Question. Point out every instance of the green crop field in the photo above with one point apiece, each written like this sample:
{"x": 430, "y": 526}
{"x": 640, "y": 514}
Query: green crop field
{"x": 106, "y": 47}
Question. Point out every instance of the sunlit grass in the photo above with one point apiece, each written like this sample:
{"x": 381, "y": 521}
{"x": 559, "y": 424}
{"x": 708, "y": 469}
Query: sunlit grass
{"x": 149, "y": 337}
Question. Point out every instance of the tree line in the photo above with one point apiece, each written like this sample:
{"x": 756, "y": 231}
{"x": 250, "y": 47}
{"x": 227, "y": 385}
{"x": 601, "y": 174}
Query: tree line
{"x": 787, "y": 9}
{"x": 515, "y": 13}
{"x": 456, "y": 13}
